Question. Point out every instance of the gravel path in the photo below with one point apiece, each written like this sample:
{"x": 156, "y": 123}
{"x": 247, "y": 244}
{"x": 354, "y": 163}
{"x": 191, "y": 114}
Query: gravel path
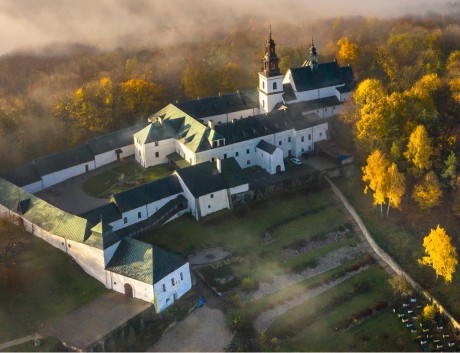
{"x": 264, "y": 320}
{"x": 327, "y": 262}
{"x": 208, "y": 256}
{"x": 204, "y": 330}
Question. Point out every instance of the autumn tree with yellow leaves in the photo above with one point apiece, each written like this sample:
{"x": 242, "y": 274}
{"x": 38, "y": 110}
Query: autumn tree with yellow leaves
{"x": 384, "y": 179}
{"x": 441, "y": 255}
{"x": 427, "y": 193}
{"x": 419, "y": 150}
{"x": 348, "y": 51}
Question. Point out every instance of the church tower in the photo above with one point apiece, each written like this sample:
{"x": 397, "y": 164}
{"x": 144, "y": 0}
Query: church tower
{"x": 312, "y": 60}
{"x": 270, "y": 78}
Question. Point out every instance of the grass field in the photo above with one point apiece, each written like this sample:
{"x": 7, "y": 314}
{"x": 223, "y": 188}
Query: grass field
{"x": 123, "y": 177}
{"x": 402, "y": 238}
{"x": 42, "y": 284}
{"x": 311, "y": 325}
{"x": 288, "y": 218}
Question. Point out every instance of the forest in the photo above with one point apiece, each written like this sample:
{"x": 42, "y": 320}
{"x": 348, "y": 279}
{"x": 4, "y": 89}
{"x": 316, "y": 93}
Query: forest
{"x": 406, "y": 106}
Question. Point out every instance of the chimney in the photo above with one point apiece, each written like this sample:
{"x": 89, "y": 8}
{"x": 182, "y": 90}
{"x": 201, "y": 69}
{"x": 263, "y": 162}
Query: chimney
{"x": 211, "y": 124}
{"x": 219, "y": 165}
{"x": 160, "y": 120}
{"x": 234, "y": 121}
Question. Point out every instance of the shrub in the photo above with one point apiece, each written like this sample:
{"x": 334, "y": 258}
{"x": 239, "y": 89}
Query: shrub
{"x": 248, "y": 284}
{"x": 429, "y": 312}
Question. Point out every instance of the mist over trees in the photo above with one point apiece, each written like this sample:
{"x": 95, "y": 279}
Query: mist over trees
{"x": 60, "y": 96}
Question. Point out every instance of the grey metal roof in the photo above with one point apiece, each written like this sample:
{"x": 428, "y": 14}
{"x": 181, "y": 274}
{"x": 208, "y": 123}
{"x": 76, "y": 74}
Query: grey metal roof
{"x": 202, "y": 179}
{"x": 63, "y": 160}
{"x": 232, "y": 173}
{"x": 142, "y": 261}
{"x": 109, "y": 212}
{"x": 288, "y": 94}
{"x": 326, "y": 75}
{"x": 147, "y": 193}
{"x": 266, "y": 146}
{"x": 227, "y": 103}
{"x": 114, "y": 140}
{"x": 253, "y": 127}
{"x": 22, "y": 176}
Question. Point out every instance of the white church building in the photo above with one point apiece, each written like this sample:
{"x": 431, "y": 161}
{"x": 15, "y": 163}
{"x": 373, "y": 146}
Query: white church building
{"x": 217, "y": 136}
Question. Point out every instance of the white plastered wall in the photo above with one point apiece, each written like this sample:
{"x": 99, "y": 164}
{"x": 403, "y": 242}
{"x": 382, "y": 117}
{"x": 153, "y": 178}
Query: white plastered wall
{"x": 165, "y": 296}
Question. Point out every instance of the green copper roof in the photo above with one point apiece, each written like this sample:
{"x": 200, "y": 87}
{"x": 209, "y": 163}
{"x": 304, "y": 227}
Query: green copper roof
{"x": 44, "y": 215}
{"x": 142, "y": 261}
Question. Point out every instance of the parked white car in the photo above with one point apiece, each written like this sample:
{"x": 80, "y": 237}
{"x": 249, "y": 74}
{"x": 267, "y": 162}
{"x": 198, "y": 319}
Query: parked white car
{"x": 296, "y": 161}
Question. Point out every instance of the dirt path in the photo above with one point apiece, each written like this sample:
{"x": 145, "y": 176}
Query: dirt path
{"x": 327, "y": 262}
{"x": 204, "y": 330}
{"x": 264, "y": 320}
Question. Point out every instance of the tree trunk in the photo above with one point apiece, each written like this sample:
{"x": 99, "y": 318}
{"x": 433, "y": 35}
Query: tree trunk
{"x": 381, "y": 210}
{"x": 388, "y": 208}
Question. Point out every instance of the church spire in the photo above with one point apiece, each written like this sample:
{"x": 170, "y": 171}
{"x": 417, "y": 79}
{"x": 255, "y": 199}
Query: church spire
{"x": 270, "y": 59}
{"x": 313, "y": 57}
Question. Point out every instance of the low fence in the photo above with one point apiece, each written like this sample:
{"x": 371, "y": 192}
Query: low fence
{"x": 389, "y": 260}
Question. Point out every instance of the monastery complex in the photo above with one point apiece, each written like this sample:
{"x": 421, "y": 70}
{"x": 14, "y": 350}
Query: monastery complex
{"x": 215, "y": 138}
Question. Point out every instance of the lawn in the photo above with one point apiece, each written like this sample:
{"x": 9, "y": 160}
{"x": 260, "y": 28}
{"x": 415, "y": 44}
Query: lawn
{"x": 402, "y": 238}
{"x": 42, "y": 284}
{"x": 124, "y": 176}
{"x": 287, "y": 218}
{"x": 311, "y": 325}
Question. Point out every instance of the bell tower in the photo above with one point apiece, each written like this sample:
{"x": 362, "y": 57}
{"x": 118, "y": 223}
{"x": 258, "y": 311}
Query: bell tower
{"x": 270, "y": 78}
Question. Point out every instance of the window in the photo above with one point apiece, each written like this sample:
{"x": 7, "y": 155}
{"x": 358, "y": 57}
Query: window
{"x": 309, "y": 148}
{"x": 86, "y": 168}
{"x": 209, "y": 206}
{"x": 139, "y": 214}
{"x": 68, "y": 245}
{"x": 212, "y": 159}
{"x": 303, "y": 149}
{"x": 214, "y": 144}
{"x": 139, "y": 153}
{"x": 248, "y": 162}
{"x": 274, "y": 85}
{"x": 156, "y": 143}
{"x": 289, "y": 139}
{"x": 280, "y": 142}
{"x": 212, "y": 196}
{"x": 157, "y": 154}
{"x": 164, "y": 287}
{"x": 309, "y": 136}
{"x": 325, "y": 110}
{"x": 173, "y": 282}
{"x": 247, "y": 151}
{"x": 225, "y": 155}
{"x": 320, "y": 134}
{"x": 263, "y": 84}
{"x": 302, "y": 139}
{"x": 125, "y": 220}
{"x": 62, "y": 243}
{"x": 237, "y": 154}
{"x": 181, "y": 276}
{"x": 263, "y": 103}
